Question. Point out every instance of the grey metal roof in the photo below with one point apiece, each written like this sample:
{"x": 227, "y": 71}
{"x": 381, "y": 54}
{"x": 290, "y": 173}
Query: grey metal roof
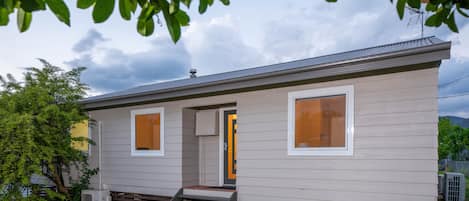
{"x": 360, "y": 55}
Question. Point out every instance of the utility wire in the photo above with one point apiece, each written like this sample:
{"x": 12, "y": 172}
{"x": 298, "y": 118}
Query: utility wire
{"x": 453, "y": 81}
{"x": 454, "y": 95}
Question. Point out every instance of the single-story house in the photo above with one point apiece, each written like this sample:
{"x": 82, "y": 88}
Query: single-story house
{"x": 357, "y": 125}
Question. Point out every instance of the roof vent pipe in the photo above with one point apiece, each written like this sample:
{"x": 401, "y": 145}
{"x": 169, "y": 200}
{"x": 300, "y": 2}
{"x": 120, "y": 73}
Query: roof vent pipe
{"x": 193, "y": 73}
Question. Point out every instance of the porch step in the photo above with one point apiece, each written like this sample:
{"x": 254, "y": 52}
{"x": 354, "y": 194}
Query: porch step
{"x": 205, "y": 193}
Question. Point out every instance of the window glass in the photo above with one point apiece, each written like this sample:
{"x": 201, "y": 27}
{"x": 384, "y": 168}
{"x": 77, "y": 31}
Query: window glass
{"x": 147, "y": 132}
{"x": 320, "y": 122}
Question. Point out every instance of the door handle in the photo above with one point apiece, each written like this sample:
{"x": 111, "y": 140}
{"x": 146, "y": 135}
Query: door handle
{"x": 225, "y": 146}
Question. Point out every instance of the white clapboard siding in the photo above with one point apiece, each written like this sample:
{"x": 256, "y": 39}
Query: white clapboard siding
{"x": 157, "y": 175}
{"x": 395, "y": 146}
{"x": 298, "y": 194}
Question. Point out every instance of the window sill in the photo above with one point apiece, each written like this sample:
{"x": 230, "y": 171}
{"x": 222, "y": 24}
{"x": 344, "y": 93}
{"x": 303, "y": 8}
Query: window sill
{"x": 320, "y": 152}
{"x": 147, "y": 153}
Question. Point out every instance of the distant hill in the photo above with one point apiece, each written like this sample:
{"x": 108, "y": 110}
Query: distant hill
{"x": 458, "y": 121}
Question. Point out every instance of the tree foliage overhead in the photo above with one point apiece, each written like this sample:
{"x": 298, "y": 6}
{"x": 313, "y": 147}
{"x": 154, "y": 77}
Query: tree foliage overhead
{"x": 175, "y": 14}
{"x": 441, "y": 11}
{"x": 453, "y": 140}
{"x": 173, "y": 11}
{"x": 35, "y": 120}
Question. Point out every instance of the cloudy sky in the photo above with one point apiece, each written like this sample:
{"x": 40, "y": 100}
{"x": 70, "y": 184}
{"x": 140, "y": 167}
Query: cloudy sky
{"x": 242, "y": 35}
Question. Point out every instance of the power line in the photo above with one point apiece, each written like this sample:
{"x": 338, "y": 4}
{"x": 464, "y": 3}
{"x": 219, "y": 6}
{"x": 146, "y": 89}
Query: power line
{"x": 453, "y": 81}
{"x": 454, "y": 95}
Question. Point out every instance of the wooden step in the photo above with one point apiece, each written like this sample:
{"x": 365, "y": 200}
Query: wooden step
{"x": 206, "y": 198}
{"x": 205, "y": 193}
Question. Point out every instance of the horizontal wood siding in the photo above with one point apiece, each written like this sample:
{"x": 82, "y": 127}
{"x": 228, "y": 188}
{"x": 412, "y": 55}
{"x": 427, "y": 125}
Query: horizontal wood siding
{"x": 158, "y": 175}
{"x": 154, "y": 175}
{"x": 395, "y": 145}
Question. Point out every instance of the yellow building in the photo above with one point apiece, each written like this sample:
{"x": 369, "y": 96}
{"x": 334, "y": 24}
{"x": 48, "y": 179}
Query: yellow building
{"x": 80, "y": 130}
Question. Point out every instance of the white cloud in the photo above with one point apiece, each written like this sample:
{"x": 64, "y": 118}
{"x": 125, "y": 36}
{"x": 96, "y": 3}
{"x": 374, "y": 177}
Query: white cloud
{"x": 460, "y": 46}
{"x": 217, "y": 46}
{"x": 111, "y": 69}
{"x": 87, "y": 43}
{"x": 327, "y": 28}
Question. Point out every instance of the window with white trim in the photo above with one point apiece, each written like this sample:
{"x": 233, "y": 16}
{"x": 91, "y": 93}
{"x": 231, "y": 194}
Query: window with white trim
{"x": 147, "y": 132}
{"x": 320, "y": 121}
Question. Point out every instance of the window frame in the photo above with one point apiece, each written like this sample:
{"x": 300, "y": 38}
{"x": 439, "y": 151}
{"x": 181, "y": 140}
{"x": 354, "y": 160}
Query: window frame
{"x": 348, "y": 91}
{"x": 154, "y": 110}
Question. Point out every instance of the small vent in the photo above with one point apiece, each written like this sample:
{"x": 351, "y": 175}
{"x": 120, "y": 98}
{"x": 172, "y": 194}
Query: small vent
{"x": 193, "y": 73}
{"x": 455, "y": 187}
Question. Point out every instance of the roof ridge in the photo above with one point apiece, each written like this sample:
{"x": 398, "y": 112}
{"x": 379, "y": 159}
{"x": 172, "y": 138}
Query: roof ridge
{"x": 304, "y": 59}
{"x": 362, "y": 53}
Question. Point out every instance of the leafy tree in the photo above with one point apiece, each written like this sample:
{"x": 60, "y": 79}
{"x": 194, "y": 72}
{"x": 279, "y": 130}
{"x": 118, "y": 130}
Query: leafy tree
{"x": 453, "y": 140}
{"x": 172, "y": 10}
{"x": 35, "y": 120}
{"x": 175, "y": 15}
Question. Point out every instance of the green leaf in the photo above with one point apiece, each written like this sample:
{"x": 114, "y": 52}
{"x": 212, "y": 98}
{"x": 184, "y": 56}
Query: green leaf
{"x": 414, "y": 3}
{"x": 23, "y": 20}
{"x": 460, "y": 11}
{"x": 173, "y": 6}
{"x": 173, "y": 26}
{"x": 434, "y": 21}
{"x": 182, "y": 18}
{"x": 210, "y": 2}
{"x": 84, "y": 4}
{"x": 451, "y": 23}
{"x": 8, "y": 4}
{"x": 464, "y": 4}
{"x": 32, "y": 5}
{"x": 333, "y": 1}
{"x": 187, "y": 3}
{"x": 142, "y": 2}
{"x": 448, "y": 4}
{"x": 203, "y": 4}
{"x": 133, "y": 5}
{"x": 4, "y": 17}
{"x": 438, "y": 18}
{"x": 157, "y": 7}
{"x": 400, "y": 6}
{"x": 102, "y": 10}
{"x": 227, "y": 2}
{"x": 146, "y": 12}
{"x": 125, "y": 9}
{"x": 431, "y": 7}
{"x": 146, "y": 27}
{"x": 60, "y": 9}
